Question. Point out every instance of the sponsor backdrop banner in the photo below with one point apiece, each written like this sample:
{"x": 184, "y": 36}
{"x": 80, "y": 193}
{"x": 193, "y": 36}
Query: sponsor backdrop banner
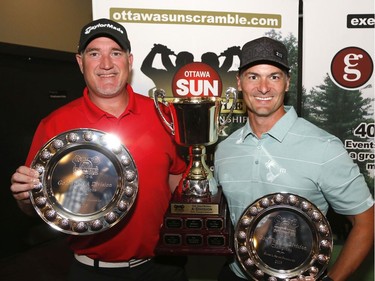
{"x": 167, "y": 34}
{"x": 338, "y": 74}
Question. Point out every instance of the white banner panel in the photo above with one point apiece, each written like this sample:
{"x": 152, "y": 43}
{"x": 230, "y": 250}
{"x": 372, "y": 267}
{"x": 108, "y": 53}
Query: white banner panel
{"x": 166, "y": 34}
{"x": 196, "y": 27}
{"x": 338, "y": 73}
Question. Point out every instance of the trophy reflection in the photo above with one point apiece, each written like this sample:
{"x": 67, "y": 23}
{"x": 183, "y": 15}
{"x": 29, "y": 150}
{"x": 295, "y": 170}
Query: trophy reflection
{"x": 197, "y": 220}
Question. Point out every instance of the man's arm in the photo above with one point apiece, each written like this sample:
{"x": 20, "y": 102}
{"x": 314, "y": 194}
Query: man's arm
{"x": 356, "y": 247}
{"x": 146, "y": 66}
{"x": 174, "y": 180}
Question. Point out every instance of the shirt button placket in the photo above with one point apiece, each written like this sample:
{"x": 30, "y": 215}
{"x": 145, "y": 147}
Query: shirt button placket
{"x": 256, "y": 166}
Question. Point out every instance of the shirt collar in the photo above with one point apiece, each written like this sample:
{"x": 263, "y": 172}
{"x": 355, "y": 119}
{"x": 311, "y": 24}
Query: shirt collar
{"x": 278, "y": 131}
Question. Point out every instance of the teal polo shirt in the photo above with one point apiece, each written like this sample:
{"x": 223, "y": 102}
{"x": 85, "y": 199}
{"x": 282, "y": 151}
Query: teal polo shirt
{"x": 295, "y": 156}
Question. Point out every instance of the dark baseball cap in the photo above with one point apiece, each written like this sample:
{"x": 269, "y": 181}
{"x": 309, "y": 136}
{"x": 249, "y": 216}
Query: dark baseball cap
{"x": 264, "y": 50}
{"x": 103, "y": 28}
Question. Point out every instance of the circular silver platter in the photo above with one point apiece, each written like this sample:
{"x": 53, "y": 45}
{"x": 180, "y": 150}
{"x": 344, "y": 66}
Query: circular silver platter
{"x": 283, "y": 236}
{"x": 88, "y": 182}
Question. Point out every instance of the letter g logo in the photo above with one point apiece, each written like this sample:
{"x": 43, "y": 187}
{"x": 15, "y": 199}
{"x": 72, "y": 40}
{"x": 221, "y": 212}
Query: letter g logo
{"x": 351, "y": 68}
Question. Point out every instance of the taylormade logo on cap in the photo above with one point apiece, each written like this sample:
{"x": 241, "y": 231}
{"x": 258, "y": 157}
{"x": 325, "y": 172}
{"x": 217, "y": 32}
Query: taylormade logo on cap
{"x": 100, "y": 25}
{"x": 103, "y": 28}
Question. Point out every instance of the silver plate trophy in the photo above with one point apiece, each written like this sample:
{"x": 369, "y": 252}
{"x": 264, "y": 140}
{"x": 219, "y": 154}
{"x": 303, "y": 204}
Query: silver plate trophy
{"x": 88, "y": 182}
{"x": 283, "y": 236}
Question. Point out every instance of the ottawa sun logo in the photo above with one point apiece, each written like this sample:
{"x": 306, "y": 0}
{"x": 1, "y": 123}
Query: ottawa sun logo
{"x": 196, "y": 79}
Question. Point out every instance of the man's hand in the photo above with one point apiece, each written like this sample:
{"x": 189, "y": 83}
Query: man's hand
{"x": 22, "y": 181}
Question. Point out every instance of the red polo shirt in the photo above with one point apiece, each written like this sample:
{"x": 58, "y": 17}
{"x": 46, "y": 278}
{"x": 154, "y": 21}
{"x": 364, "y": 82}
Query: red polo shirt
{"x": 155, "y": 156}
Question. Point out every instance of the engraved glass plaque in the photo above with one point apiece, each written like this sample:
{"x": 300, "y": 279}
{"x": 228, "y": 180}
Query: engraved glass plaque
{"x": 283, "y": 236}
{"x": 88, "y": 182}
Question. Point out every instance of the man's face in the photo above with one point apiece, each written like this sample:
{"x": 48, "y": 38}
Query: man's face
{"x": 105, "y": 66}
{"x": 263, "y": 87}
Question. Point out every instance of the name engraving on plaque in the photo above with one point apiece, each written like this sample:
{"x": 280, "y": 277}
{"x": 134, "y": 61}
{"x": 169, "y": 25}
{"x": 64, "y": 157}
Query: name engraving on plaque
{"x": 173, "y": 222}
{"x": 282, "y": 246}
{"x": 214, "y": 223}
{"x": 216, "y": 240}
{"x": 94, "y": 186}
{"x": 194, "y": 240}
{"x": 190, "y": 208}
{"x": 172, "y": 239}
{"x": 194, "y": 223}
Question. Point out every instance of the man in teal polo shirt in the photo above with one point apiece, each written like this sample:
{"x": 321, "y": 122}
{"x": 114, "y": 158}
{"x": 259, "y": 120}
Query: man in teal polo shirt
{"x": 276, "y": 151}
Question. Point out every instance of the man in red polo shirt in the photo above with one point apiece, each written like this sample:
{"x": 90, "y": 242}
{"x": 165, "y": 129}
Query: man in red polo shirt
{"x": 109, "y": 104}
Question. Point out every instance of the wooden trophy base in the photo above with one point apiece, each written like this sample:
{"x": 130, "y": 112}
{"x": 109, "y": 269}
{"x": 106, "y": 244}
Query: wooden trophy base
{"x": 196, "y": 228}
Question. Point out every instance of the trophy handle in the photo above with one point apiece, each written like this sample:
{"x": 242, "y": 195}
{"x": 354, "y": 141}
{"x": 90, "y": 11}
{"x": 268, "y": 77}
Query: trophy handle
{"x": 161, "y": 93}
{"x": 230, "y": 91}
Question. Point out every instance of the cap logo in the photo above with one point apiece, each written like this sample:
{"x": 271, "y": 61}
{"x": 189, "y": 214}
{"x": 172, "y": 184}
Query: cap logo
{"x": 101, "y": 25}
{"x": 264, "y": 49}
{"x": 278, "y": 54}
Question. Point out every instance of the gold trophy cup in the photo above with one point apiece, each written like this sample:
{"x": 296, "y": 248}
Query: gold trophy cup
{"x": 196, "y": 221}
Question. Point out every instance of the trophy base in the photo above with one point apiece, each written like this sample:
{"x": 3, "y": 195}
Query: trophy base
{"x": 196, "y": 227}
